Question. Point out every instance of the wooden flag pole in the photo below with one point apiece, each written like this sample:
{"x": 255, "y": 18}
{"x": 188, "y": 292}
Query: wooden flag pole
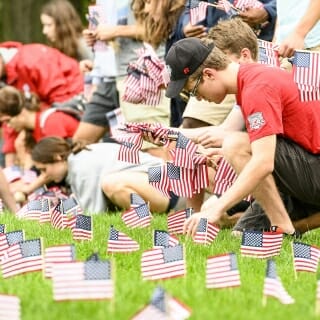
{"x": 294, "y": 269}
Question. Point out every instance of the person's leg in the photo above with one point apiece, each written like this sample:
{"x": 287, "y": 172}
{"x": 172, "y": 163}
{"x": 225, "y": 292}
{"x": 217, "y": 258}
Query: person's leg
{"x": 118, "y": 187}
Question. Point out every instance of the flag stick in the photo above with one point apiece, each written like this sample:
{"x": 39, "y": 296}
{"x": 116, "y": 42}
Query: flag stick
{"x": 294, "y": 269}
{"x": 264, "y": 300}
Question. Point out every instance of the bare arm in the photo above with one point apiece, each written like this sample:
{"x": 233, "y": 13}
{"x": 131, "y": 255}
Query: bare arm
{"x": 296, "y": 39}
{"x": 6, "y": 195}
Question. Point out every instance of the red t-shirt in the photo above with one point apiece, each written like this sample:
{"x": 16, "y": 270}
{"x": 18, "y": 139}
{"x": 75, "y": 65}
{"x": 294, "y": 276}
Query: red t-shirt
{"x": 270, "y": 103}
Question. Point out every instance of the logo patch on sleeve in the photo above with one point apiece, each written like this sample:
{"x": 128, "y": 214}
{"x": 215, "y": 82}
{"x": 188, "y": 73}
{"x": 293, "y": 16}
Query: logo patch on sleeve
{"x": 256, "y": 121}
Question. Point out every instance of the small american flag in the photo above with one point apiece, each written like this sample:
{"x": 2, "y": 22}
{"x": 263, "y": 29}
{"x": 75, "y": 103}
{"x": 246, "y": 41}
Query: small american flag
{"x": 89, "y": 280}
{"x": 176, "y": 220}
{"x": 57, "y": 254}
{"x": 2, "y": 228}
{"x": 130, "y": 145}
{"x": 83, "y": 229}
{"x": 206, "y": 232}
{"x": 57, "y": 219}
{"x": 268, "y": 53}
{"x": 9, "y": 307}
{"x": 115, "y": 119}
{"x": 245, "y": 4}
{"x": 305, "y": 257}
{"x": 163, "y": 263}
{"x": 162, "y": 238}
{"x": 119, "y": 242}
{"x": 46, "y": 210}
{"x": 162, "y": 307}
{"x": 306, "y": 74}
{"x": 158, "y": 178}
{"x": 222, "y": 271}
{"x": 137, "y": 217}
{"x": 184, "y": 152}
{"x": 273, "y": 286}
{"x": 136, "y": 200}
{"x": 259, "y": 244}
{"x": 31, "y": 210}
{"x": 198, "y": 13}
{"x": 29, "y": 176}
{"x": 22, "y": 257}
{"x": 8, "y": 239}
{"x": 71, "y": 206}
{"x": 12, "y": 173}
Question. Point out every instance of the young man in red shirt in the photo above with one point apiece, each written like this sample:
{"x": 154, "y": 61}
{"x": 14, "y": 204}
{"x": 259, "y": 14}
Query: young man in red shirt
{"x": 280, "y": 150}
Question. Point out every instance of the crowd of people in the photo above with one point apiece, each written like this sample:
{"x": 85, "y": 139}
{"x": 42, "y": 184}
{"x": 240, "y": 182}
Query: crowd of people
{"x": 236, "y": 110}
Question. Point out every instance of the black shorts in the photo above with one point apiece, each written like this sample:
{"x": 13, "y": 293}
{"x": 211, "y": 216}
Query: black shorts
{"x": 104, "y": 99}
{"x": 297, "y": 174}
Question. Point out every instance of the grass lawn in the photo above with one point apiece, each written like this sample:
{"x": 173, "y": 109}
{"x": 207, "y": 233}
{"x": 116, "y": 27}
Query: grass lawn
{"x": 132, "y": 293}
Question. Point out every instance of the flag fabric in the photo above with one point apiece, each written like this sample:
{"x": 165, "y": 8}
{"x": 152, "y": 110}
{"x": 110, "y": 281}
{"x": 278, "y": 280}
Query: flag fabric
{"x": 158, "y": 178}
{"x": 198, "y": 13}
{"x": 83, "y": 229}
{"x": 259, "y": 244}
{"x": 115, "y": 119}
{"x": 89, "y": 280}
{"x": 176, "y": 220}
{"x": 137, "y": 217}
{"x": 162, "y": 238}
{"x": 12, "y": 173}
{"x": 222, "y": 271}
{"x": 2, "y": 228}
{"x": 245, "y": 4}
{"x": 163, "y": 306}
{"x": 8, "y": 239}
{"x": 306, "y": 74}
{"x": 184, "y": 152}
{"x": 57, "y": 254}
{"x": 206, "y": 232}
{"x": 163, "y": 263}
{"x": 46, "y": 209}
{"x": 119, "y": 242}
{"x": 130, "y": 145}
{"x": 57, "y": 219}
{"x": 71, "y": 206}
{"x": 9, "y": 307}
{"x": 29, "y": 176}
{"x": 273, "y": 286}
{"x": 31, "y": 210}
{"x": 22, "y": 257}
{"x": 268, "y": 53}
{"x": 136, "y": 200}
{"x": 305, "y": 257}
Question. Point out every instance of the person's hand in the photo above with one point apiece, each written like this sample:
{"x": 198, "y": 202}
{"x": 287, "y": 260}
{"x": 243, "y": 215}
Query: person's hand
{"x": 85, "y": 65}
{"x": 293, "y": 42}
{"x": 197, "y": 31}
{"x": 89, "y": 36}
{"x": 148, "y": 136}
{"x": 254, "y": 16}
{"x": 211, "y": 138}
{"x": 106, "y": 33}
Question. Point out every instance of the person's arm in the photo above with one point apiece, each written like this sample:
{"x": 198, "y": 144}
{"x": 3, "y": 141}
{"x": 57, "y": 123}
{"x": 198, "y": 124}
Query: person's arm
{"x": 6, "y": 195}
{"x": 295, "y": 40}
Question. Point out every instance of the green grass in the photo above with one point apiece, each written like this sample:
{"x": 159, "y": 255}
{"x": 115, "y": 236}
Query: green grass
{"x": 132, "y": 292}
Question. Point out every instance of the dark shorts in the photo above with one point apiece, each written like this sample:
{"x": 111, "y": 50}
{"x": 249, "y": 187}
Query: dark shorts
{"x": 297, "y": 174}
{"x": 104, "y": 99}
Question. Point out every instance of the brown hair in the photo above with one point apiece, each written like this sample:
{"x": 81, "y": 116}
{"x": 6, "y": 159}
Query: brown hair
{"x": 47, "y": 150}
{"x": 233, "y": 35}
{"x": 12, "y": 101}
{"x": 68, "y": 26}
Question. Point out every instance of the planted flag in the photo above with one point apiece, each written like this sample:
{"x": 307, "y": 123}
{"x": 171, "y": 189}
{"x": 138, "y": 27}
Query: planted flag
{"x": 57, "y": 254}
{"x": 9, "y": 307}
{"x": 22, "y": 257}
{"x": 305, "y": 257}
{"x": 222, "y": 271}
{"x": 137, "y": 217}
{"x": 184, "y": 152}
{"x": 83, "y": 228}
{"x": 8, "y": 239}
{"x": 206, "y": 232}
{"x": 71, "y": 206}
{"x": 163, "y": 263}
{"x": 164, "y": 239}
{"x": 31, "y": 210}
{"x": 158, "y": 178}
{"x": 89, "y": 280}
{"x": 273, "y": 286}
{"x": 176, "y": 220}
{"x": 136, "y": 200}
{"x": 258, "y": 244}
{"x": 119, "y": 242}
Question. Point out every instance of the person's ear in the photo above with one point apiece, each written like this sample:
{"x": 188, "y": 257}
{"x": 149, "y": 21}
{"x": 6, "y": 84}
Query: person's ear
{"x": 209, "y": 73}
{"x": 245, "y": 55}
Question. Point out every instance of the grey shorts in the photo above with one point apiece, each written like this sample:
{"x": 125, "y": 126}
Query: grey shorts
{"x": 297, "y": 174}
{"x": 104, "y": 99}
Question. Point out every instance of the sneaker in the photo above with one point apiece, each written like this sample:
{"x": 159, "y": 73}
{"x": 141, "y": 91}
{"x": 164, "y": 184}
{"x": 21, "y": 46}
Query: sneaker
{"x": 253, "y": 218}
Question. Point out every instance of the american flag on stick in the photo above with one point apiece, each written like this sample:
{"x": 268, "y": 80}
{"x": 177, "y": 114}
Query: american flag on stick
{"x": 10, "y": 307}
{"x": 162, "y": 238}
{"x": 268, "y": 53}
{"x": 46, "y": 210}
{"x": 115, "y": 119}
{"x": 184, "y": 152}
{"x": 22, "y": 257}
{"x": 158, "y": 178}
{"x": 130, "y": 145}
{"x": 89, "y": 280}
{"x": 206, "y": 232}
{"x": 119, "y": 242}
{"x": 259, "y": 244}
{"x": 176, "y": 220}
{"x": 306, "y": 74}
{"x": 83, "y": 229}
{"x": 57, "y": 254}
{"x": 71, "y": 206}
{"x": 163, "y": 306}
{"x": 222, "y": 271}
{"x": 2, "y": 228}
{"x": 305, "y": 257}
{"x": 136, "y": 200}
{"x": 163, "y": 263}
{"x": 245, "y": 4}
{"x": 198, "y": 13}
{"x": 137, "y": 217}
{"x": 31, "y": 210}
{"x": 273, "y": 286}
{"x": 8, "y": 239}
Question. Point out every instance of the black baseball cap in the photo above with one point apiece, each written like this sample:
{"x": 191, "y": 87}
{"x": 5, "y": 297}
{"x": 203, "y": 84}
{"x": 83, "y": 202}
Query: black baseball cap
{"x": 182, "y": 60}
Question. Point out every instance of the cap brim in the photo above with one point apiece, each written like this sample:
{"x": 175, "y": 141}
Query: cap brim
{"x": 175, "y": 87}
